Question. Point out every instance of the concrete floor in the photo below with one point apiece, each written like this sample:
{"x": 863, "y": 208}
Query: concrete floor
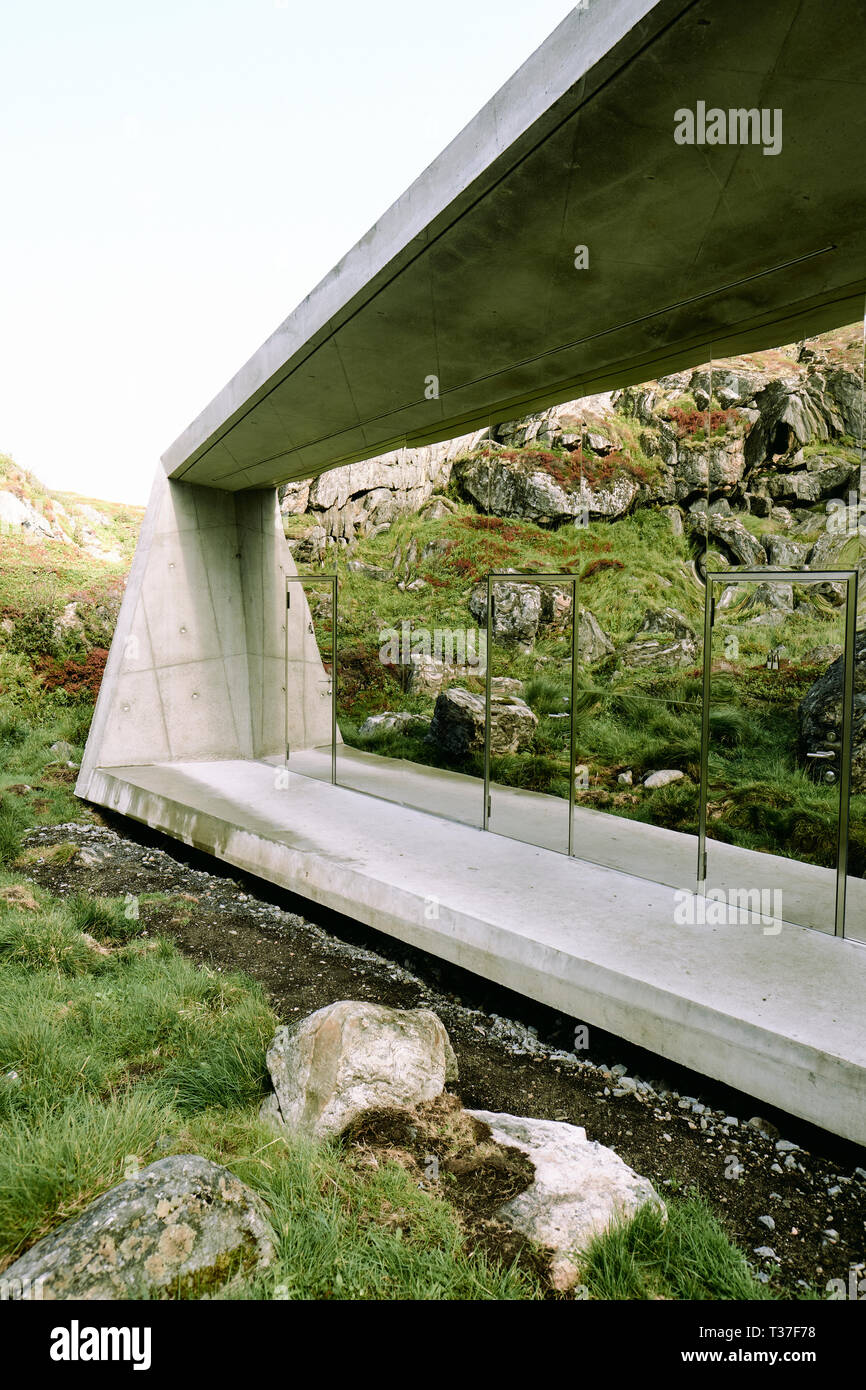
{"x": 779, "y": 1016}
{"x": 806, "y": 892}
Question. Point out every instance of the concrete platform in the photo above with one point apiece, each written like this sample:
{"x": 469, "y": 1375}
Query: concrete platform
{"x": 803, "y": 894}
{"x": 779, "y": 1016}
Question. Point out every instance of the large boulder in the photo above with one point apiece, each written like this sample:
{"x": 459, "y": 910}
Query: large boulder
{"x": 709, "y": 466}
{"x": 516, "y": 485}
{"x": 730, "y": 532}
{"x": 457, "y": 725}
{"x": 664, "y": 641}
{"x": 360, "y": 498}
{"x": 351, "y": 1057}
{"x": 522, "y": 610}
{"x": 517, "y": 609}
{"x": 593, "y": 642}
{"x": 790, "y": 416}
{"x": 182, "y": 1219}
{"x": 820, "y": 719}
{"x": 730, "y": 386}
{"x": 580, "y": 1189}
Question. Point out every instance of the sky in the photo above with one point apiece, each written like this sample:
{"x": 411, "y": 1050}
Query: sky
{"x": 177, "y": 175}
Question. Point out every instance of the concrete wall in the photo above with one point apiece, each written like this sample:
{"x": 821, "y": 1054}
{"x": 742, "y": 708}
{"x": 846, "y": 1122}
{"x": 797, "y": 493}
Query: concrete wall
{"x": 197, "y": 668}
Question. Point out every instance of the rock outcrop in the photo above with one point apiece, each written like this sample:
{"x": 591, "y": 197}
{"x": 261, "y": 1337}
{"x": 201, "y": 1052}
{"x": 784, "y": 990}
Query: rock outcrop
{"x": 664, "y": 641}
{"x": 182, "y": 1221}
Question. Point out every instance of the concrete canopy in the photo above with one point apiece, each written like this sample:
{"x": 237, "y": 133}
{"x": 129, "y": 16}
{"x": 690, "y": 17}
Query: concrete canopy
{"x": 694, "y": 249}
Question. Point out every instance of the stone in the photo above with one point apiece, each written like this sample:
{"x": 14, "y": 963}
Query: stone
{"x": 625, "y": 778}
{"x": 730, "y": 533}
{"x": 822, "y": 656}
{"x": 182, "y": 1218}
{"x": 457, "y": 725}
{"x": 580, "y": 1188}
{"x": 383, "y": 723}
{"x": 593, "y": 643}
{"x": 508, "y": 486}
{"x": 768, "y": 1222}
{"x": 516, "y": 612}
{"x": 368, "y": 571}
{"x": 787, "y": 554}
{"x": 426, "y": 675}
{"x": 665, "y": 640}
{"x": 353, "y": 1056}
{"x": 663, "y": 778}
{"x": 506, "y": 685}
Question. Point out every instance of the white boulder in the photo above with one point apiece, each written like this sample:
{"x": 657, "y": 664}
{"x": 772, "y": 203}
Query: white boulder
{"x": 580, "y": 1188}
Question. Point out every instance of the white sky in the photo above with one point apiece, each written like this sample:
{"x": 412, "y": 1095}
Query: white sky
{"x": 177, "y": 175}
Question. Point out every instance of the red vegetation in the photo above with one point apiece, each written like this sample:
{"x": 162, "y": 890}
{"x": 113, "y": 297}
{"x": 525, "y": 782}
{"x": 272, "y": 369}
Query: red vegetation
{"x": 688, "y": 422}
{"x": 80, "y": 677}
{"x": 597, "y": 565}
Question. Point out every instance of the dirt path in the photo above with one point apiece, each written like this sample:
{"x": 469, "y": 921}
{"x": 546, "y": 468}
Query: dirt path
{"x": 513, "y": 1055}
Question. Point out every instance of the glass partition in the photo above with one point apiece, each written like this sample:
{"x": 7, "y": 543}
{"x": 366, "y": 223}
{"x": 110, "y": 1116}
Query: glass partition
{"x": 311, "y": 650}
{"x": 529, "y": 738}
{"x": 776, "y": 765}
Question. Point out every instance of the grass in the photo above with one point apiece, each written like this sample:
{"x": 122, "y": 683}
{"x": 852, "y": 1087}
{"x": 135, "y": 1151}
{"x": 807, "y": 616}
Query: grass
{"x": 687, "y": 1257}
{"x": 109, "y": 1061}
{"x": 115, "y": 1051}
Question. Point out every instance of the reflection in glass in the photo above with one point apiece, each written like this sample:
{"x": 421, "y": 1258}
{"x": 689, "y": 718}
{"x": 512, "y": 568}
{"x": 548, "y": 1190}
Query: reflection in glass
{"x": 774, "y": 763}
{"x": 311, "y": 728}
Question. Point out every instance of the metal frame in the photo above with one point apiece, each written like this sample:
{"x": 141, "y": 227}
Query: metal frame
{"x": 304, "y": 580}
{"x": 507, "y": 576}
{"x": 763, "y": 576}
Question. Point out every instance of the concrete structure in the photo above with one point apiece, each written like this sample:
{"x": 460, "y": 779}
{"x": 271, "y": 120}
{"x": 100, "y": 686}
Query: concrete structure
{"x": 462, "y": 305}
{"x": 778, "y": 1015}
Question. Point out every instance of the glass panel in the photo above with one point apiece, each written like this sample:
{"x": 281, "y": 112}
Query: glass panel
{"x": 774, "y": 753}
{"x": 639, "y": 623}
{"x": 855, "y": 919}
{"x": 310, "y": 707}
{"x": 411, "y": 675}
{"x": 529, "y": 727}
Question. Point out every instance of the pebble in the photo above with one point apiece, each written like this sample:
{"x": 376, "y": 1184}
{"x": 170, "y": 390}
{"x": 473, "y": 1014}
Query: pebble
{"x": 765, "y": 1252}
{"x": 785, "y": 1146}
{"x": 730, "y": 1120}
{"x": 768, "y": 1222}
